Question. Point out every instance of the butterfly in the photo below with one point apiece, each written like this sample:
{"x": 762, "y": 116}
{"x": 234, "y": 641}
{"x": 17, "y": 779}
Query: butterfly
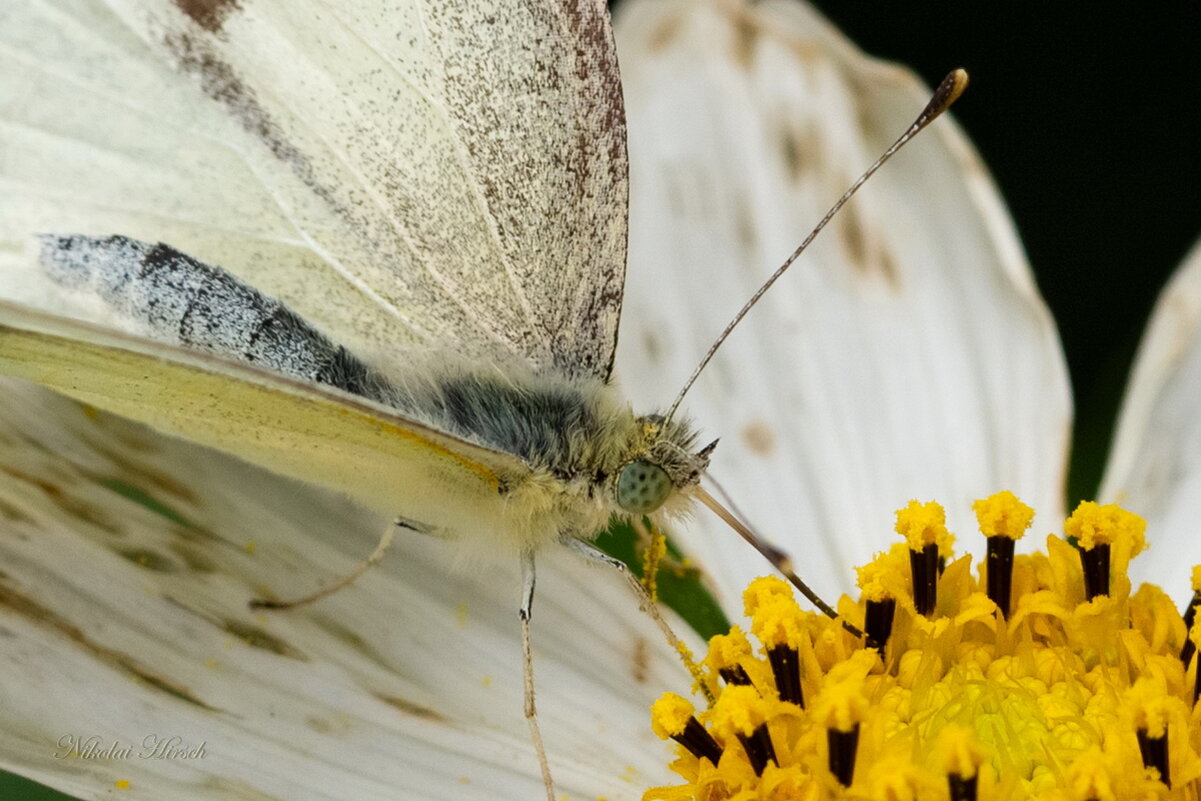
{"x": 412, "y": 294}
{"x": 343, "y": 148}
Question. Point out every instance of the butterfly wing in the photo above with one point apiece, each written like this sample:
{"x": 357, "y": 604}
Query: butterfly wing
{"x": 417, "y": 174}
{"x": 302, "y": 430}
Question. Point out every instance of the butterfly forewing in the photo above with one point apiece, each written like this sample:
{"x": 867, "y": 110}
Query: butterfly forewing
{"x": 449, "y": 176}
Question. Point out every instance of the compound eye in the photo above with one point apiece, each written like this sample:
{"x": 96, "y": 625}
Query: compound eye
{"x": 642, "y": 487}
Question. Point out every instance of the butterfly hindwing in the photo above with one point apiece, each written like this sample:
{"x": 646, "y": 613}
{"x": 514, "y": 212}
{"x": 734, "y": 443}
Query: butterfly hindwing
{"x": 298, "y": 429}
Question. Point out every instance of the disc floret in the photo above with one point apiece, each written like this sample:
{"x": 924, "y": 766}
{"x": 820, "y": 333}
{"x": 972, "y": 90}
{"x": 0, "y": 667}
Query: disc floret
{"x": 1034, "y": 676}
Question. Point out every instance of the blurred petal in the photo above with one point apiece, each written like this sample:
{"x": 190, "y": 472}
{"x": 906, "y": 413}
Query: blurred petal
{"x": 908, "y": 355}
{"x": 1155, "y": 463}
{"x": 128, "y": 560}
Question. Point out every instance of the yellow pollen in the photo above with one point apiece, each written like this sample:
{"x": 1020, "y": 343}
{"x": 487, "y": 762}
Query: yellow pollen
{"x": 780, "y": 622}
{"x": 923, "y": 524}
{"x": 843, "y": 701}
{"x": 1093, "y": 524}
{"x": 1150, "y": 706}
{"x": 1059, "y": 699}
{"x": 1197, "y": 578}
{"x": 762, "y": 591}
{"x": 739, "y": 710}
{"x": 728, "y": 650}
{"x": 670, "y": 714}
{"x": 886, "y": 578}
{"x": 656, "y": 549}
{"x": 1003, "y": 515}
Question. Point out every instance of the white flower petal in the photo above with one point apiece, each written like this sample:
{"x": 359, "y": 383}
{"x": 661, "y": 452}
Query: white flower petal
{"x": 1155, "y": 463}
{"x": 907, "y": 355}
{"x": 123, "y": 619}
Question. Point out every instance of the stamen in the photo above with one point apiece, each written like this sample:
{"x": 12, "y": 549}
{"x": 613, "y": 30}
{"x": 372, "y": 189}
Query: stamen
{"x": 963, "y": 788}
{"x": 1150, "y": 703}
{"x": 999, "y": 569}
{"x": 1041, "y": 703}
{"x": 1095, "y": 563}
{"x": 1094, "y": 528}
{"x": 1003, "y": 520}
{"x": 924, "y": 564}
{"x": 1194, "y": 636}
{"x": 878, "y": 622}
{"x": 759, "y": 749}
{"x": 1155, "y": 754}
{"x": 779, "y": 624}
{"x": 1190, "y": 616}
{"x": 879, "y": 586}
{"x": 923, "y": 525}
{"x": 786, "y": 667}
{"x": 727, "y": 655}
{"x": 672, "y": 717}
{"x": 841, "y": 707}
{"x": 843, "y": 745}
{"x": 740, "y": 712}
{"x": 961, "y": 758}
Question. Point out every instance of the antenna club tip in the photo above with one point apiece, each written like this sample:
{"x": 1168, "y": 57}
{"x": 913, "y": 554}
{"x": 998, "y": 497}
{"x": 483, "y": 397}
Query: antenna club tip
{"x": 948, "y": 91}
{"x": 959, "y": 82}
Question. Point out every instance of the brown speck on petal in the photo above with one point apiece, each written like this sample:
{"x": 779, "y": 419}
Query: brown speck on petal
{"x": 409, "y": 707}
{"x": 759, "y": 437}
{"x": 208, "y": 14}
{"x": 865, "y": 255}
{"x": 639, "y": 661}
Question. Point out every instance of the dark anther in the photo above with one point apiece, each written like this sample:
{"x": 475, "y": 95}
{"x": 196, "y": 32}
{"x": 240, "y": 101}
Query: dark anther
{"x": 1190, "y": 614}
{"x": 734, "y": 675}
{"x": 1155, "y": 754}
{"x": 878, "y": 622}
{"x": 843, "y": 745}
{"x": 1000, "y": 572}
{"x": 1096, "y": 571}
{"x": 786, "y": 667}
{"x": 697, "y": 739}
{"x": 759, "y": 749}
{"x": 964, "y": 789}
{"x": 924, "y": 566}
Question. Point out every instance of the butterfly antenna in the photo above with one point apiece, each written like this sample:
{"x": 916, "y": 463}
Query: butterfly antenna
{"x": 947, "y": 93}
{"x": 780, "y": 560}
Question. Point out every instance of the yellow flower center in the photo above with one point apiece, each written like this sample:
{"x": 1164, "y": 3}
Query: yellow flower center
{"x": 1042, "y": 677}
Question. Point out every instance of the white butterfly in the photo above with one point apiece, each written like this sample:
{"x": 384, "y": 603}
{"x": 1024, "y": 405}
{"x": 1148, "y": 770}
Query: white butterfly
{"x": 327, "y": 216}
{"x": 423, "y": 311}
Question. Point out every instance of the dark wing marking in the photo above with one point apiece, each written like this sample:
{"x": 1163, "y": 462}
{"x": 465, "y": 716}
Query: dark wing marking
{"x": 183, "y": 301}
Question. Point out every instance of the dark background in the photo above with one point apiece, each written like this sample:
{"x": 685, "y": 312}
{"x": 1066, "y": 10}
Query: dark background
{"x": 1089, "y": 117}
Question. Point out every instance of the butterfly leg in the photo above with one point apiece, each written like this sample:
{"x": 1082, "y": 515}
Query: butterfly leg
{"x": 645, "y": 602}
{"x": 376, "y": 556}
{"x": 527, "y": 663}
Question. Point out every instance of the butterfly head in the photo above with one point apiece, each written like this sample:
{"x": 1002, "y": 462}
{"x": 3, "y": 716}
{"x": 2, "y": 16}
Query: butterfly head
{"x": 663, "y": 466}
